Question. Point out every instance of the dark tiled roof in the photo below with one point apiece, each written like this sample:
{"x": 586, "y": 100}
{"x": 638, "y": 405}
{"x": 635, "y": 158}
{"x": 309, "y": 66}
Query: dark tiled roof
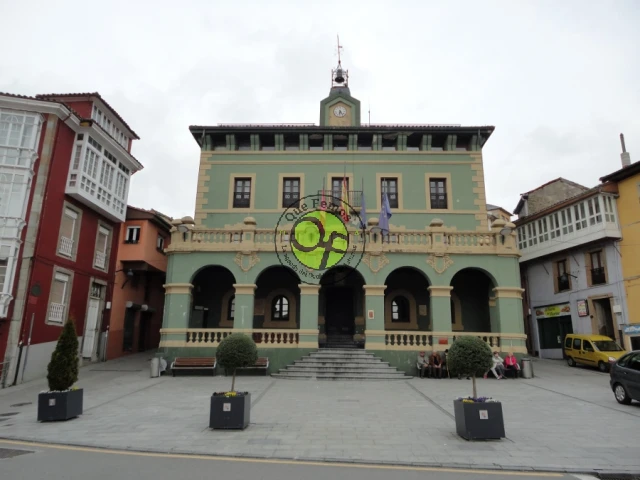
{"x": 311, "y": 126}
{"x": 154, "y": 213}
{"x": 623, "y": 173}
{"x": 89, "y": 94}
{"x": 27, "y": 97}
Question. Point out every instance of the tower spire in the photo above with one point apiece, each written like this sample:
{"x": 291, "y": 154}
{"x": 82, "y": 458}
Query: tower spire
{"x": 339, "y": 76}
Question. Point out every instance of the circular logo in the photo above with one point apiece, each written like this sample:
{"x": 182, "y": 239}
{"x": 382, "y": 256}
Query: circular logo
{"x": 319, "y": 234}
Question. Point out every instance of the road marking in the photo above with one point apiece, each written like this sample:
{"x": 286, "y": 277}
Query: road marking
{"x": 283, "y": 462}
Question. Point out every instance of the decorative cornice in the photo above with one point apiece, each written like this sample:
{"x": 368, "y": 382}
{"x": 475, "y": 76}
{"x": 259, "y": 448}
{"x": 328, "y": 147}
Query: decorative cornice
{"x": 438, "y": 291}
{"x": 374, "y": 290}
{"x": 508, "y": 292}
{"x": 178, "y": 288}
{"x": 244, "y": 288}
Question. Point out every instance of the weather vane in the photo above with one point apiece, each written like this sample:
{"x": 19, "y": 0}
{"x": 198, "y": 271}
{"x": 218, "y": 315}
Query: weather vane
{"x": 339, "y": 47}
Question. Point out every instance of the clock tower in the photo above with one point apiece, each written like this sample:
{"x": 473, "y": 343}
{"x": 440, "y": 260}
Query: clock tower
{"x": 340, "y": 109}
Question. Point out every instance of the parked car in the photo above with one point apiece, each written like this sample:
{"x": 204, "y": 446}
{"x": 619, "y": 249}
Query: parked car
{"x": 593, "y": 350}
{"x": 625, "y": 378}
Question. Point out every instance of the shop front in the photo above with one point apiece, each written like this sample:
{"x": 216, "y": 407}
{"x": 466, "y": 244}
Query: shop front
{"x": 553, "y": 324}
{"x": 631, "y": 336}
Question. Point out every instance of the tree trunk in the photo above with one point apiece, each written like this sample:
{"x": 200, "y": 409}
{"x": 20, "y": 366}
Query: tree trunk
{"x": 233, "y": 381}
{"x": 473, "y": 379}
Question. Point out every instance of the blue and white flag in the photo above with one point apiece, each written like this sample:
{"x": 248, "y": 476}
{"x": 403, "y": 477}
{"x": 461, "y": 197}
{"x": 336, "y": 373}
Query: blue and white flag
{"x": 385, "y": 215}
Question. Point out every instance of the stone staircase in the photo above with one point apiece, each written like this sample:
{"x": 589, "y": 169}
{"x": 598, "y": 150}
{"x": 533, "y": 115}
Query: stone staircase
{"x": 340, "y": 341}
{"x": 340, "y": 364}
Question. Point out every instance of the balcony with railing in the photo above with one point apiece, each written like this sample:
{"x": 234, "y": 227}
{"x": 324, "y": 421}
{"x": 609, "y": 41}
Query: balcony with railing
{"x": 100, "y": 260}
{"x": 66, "y": 246}
{"x": 56, "y": 312}
{"x": 586, "y": 221}
{"x": 598, "y": 276}
{"x": 354, "y": 197}
{"x": 436, "y": 239}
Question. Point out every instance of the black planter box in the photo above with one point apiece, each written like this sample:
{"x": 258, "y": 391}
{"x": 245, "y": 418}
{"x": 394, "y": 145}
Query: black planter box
{"x": 55, "y": 406}
{"x": 230, "y": 412}
{"x": 479, "y": 420}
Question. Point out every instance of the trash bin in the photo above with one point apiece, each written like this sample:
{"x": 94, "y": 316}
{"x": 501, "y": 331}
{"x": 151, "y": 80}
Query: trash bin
{"x": 155, "y": 367}
{"x": 527, "y": 368}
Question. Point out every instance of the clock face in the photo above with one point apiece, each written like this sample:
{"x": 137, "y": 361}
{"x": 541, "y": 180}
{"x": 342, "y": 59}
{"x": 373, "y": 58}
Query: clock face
{"x": 339, "y": 111}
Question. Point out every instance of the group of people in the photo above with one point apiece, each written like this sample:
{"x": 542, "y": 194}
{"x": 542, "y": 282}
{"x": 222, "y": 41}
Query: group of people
{"x": 435, "y": 366}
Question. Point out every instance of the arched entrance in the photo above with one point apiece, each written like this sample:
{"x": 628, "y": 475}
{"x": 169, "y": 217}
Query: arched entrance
{"x": 406, "y": 300}
{"x": 277, "y": 299}
{"x": 213, "y": 303}
{"x": 341, "y": 305}
{"x": 471, "y": 301}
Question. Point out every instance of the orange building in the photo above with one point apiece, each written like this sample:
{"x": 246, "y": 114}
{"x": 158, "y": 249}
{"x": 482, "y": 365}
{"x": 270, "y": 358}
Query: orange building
{"x": 138, "y": 293}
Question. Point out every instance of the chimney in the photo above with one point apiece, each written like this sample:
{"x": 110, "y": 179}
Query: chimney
{"x": 624, "y": 156}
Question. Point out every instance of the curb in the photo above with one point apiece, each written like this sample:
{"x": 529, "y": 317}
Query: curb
{"x": 330, "y": 460}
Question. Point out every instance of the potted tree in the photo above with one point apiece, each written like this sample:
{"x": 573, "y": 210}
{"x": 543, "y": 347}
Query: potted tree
{"x": 477, "y": 418}
{"x": 62, "y": 401}
{"x": 231, "y": 410}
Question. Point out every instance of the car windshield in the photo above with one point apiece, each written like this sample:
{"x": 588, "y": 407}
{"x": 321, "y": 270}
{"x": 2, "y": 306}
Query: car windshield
{"x": 607, "y": 346}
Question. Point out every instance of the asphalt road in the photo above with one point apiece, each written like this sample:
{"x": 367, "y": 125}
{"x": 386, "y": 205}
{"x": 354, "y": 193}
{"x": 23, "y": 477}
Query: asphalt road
{"x": 31, "y": 461}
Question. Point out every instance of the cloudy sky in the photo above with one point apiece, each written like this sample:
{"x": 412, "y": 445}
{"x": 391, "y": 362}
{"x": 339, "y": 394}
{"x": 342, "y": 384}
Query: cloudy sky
{"x": 559, "y": 80}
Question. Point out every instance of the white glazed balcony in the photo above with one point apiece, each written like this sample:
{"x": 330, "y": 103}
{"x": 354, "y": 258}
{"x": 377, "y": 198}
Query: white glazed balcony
{"x": 558, "y": 231}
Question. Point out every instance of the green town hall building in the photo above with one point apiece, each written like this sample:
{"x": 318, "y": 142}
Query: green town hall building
{"x": 394, "y": 285}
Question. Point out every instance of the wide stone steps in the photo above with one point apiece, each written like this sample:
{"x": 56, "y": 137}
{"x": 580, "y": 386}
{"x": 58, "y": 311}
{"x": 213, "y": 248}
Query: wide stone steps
{"x": 340, "y": 364}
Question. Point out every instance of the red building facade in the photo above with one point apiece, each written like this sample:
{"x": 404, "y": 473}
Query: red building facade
{"x": 67, "y": 254}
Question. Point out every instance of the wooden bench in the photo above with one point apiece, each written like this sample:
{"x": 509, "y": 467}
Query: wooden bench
{"x": 261, "y": 364}
{"x": 191, "y": 363}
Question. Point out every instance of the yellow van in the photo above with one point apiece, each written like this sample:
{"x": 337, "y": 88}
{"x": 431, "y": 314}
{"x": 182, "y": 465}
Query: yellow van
{"x": 593, "y": 350}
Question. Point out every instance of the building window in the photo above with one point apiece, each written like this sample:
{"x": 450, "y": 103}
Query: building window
{"x": 291, "y": 192}
{"x": 68, "y": 232}
{"x": 598, "y": 276}
{"x": 133, "y": 235}
{"x": 336, "y": 186}
{"x": 438, "y": 192}
{"x": 554, "y": 223}
{"x": 580, "y": 216}
{"x": 242, "y": 193}
{"x": 563, "y": 279}
{"x": 400, "y": 309}
{"x": 533, "y": 239}
{"x": 543, "y": 234}
{"x": 18, "y": 130}
{"x": 160, "y": 243}
{"x": 595, "y": 216}
{"x": 58, "y": 298}
{"x": 522, "y": 238}
{"x": 231, "y": 308}
{"x": 280, "y": 308}
{"x": 3, "y": 273}
{"x": 390, "y": 187}
{"x": 102, "y": 248}
{"x": 609, "y": 216}
{"x": 567, "y": 223}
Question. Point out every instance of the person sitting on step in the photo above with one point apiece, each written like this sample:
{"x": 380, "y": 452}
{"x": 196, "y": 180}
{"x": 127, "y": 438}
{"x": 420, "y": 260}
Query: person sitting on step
{"x": 422, "y": 365}
{"x": 435, "y": 365}
{"x": 511, "y": 365}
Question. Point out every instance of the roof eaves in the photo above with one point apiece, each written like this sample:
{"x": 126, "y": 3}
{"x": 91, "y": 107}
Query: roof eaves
{"x": 89, "y": 94}
{"x": 561, "y": 204}
{"x": 623, "y": 173}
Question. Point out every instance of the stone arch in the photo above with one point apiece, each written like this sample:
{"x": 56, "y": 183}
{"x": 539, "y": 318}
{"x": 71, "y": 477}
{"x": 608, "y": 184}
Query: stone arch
{"x": 411, "y": 284}
{"x": 472, "y": 300}
{"x": 272, "y": 282}
{"x": 211, "y": 295}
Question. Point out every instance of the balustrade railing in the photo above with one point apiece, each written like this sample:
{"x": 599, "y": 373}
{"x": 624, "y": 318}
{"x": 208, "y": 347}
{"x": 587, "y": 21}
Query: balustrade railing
{"x": 211, "y": 337}
{"x": 436, "y": 240}
{"x": 409, "y": 340}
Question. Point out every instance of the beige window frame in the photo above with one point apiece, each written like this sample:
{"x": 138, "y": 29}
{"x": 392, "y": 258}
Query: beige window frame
{"x": 429, "y": 177}
{"x": 557, "y": 271}
{"x": 69, "y": 233}
{"x": 103, "y": 247}
{"x": 59, "y": 295}
{"x": 589, "y": 266}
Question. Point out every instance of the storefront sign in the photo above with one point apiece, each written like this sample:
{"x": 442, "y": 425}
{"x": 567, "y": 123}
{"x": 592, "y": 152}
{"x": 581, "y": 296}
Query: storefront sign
{"x": 553, "y": 311}
{"x": 583, "y": 308}
{"x": 632, "y": 329}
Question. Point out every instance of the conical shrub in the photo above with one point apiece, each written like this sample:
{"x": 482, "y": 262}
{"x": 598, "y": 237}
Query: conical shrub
{"x": 62, "y": 371}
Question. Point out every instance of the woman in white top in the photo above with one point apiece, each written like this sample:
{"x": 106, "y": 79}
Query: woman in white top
{"x": 498, "y": 366}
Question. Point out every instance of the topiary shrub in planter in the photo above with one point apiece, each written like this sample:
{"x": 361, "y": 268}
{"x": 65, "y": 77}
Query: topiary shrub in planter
{"x": 62, "y": 401}
{"x": 232, "y": 410}
{"x": 477, "y": 418}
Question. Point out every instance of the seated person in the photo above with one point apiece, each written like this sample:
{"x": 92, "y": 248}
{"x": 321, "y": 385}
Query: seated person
{"x": 435, "y": 365}
{"x": 422, "y": 365}
{"x": 511, "y": 365}
{"x": 498, "y": 366}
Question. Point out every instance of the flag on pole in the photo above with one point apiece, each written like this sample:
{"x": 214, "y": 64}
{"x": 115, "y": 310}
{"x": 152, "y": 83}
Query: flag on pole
{"x": 363, "y": 210}
{"x": 345, "y": 206}
{"x": 385, "y": 215}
